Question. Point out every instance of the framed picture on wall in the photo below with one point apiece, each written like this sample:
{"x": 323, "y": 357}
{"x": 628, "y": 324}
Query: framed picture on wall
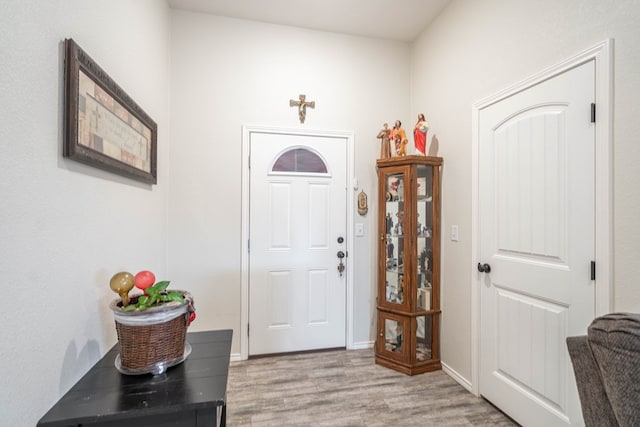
{"x": 103, "y": 126}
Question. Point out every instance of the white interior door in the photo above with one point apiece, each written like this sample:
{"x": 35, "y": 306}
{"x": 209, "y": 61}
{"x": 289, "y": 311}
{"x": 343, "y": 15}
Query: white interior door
{"x": 537, "y": 220}
{"x": 297, "y": 225}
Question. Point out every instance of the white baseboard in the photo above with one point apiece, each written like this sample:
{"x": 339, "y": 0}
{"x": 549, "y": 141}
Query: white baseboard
{"x": 457, "y": 377}
{"x": 237, "y": 357}
{"x": 361, "y": 345}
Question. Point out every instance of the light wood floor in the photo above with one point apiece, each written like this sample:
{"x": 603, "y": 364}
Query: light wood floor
{"x": 346, "y": 388}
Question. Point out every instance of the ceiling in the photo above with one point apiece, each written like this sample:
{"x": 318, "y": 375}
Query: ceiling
{"x": 400, "y": 20}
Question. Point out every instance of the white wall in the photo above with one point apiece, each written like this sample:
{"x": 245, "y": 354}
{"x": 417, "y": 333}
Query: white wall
{"x": 226, "y": 73}
{"x": 475, "y": 49}
{"x": 65, "y": 228}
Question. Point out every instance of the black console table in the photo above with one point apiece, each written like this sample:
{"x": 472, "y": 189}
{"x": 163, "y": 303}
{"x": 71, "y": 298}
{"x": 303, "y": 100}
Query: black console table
{"x": 192, "y": 393}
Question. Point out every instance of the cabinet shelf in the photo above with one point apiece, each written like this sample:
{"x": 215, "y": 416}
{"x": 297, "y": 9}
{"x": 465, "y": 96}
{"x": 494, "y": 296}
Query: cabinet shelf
{"x": 409, "y": 267}
{"x": 415, "y": 314}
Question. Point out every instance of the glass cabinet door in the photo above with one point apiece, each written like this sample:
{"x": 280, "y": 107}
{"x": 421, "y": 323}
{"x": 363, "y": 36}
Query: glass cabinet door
{"x": 394, "y": 336}
{"x": 424, "y": 338}
{"x": 424, "y": 234}
{"x": 394, "y": 239}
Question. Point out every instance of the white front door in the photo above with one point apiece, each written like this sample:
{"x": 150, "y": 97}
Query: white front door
{"x": 537, "y": 225}
{"x": 297, "y": 225}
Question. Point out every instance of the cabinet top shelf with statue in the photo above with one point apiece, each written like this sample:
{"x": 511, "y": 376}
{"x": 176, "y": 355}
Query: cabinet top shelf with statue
{"x": 409, "y": 263}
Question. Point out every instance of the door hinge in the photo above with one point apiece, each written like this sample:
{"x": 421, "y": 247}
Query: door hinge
{"x": 593, "y": 112}
{"x": 249, "y": 161}
{"x": 248, "y": 245}
{"x": 247, "y": 330}
{"x": 593, "y": 270}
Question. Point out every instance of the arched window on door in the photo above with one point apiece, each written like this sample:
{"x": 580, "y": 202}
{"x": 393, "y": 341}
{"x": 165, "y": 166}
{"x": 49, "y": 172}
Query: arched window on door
{"x": 299, "y": 160}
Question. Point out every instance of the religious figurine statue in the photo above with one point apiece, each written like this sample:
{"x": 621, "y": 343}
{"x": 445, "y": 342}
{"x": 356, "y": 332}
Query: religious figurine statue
{"x": 400, "y": 139}
{"x": 420, "y": 135}
{"x": 400, "y": 216}
{"x": 422, "y": 263}
{"x": 385, "y": 135}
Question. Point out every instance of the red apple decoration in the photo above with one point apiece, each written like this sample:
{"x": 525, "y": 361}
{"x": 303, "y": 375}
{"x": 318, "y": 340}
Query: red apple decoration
{"x": 144, "y": 279}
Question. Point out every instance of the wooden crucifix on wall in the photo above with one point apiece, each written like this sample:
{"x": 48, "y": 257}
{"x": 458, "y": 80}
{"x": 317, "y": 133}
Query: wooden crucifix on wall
{"x": 302, "y": 105}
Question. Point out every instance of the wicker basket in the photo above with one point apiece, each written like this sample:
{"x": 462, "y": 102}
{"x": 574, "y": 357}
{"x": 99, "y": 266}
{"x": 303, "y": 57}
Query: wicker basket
{"x": 153, "y": 340}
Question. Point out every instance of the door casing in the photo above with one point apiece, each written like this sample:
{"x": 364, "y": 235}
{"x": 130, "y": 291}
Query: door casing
{"x": 602, "y": 54}
{"x": 247, "y": 130}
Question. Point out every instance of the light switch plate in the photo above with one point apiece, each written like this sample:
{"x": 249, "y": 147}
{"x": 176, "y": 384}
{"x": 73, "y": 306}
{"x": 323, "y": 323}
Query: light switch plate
{"x": 454, "y": 233}
{"x": 359, "y": 229}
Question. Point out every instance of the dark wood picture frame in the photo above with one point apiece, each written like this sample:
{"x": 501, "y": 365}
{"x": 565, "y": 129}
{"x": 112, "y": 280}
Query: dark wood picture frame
{"x": 103, "y": 126}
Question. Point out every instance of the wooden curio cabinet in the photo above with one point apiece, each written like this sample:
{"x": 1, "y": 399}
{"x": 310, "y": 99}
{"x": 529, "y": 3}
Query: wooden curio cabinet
{"x": 408, "y": 335}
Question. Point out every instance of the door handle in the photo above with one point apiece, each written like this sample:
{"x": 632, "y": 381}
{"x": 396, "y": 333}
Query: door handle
{"x": 340, "y": 255}
{"x": 484, "y": 268}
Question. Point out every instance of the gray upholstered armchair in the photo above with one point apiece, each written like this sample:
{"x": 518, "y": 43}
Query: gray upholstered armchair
{"x": 606, "y": 363}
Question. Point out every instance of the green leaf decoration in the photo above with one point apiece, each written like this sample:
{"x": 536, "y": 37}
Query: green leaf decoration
{"x": 155, "y": 295}
{"x": 175, "y": 296}
{"x": 161, "y": 286}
